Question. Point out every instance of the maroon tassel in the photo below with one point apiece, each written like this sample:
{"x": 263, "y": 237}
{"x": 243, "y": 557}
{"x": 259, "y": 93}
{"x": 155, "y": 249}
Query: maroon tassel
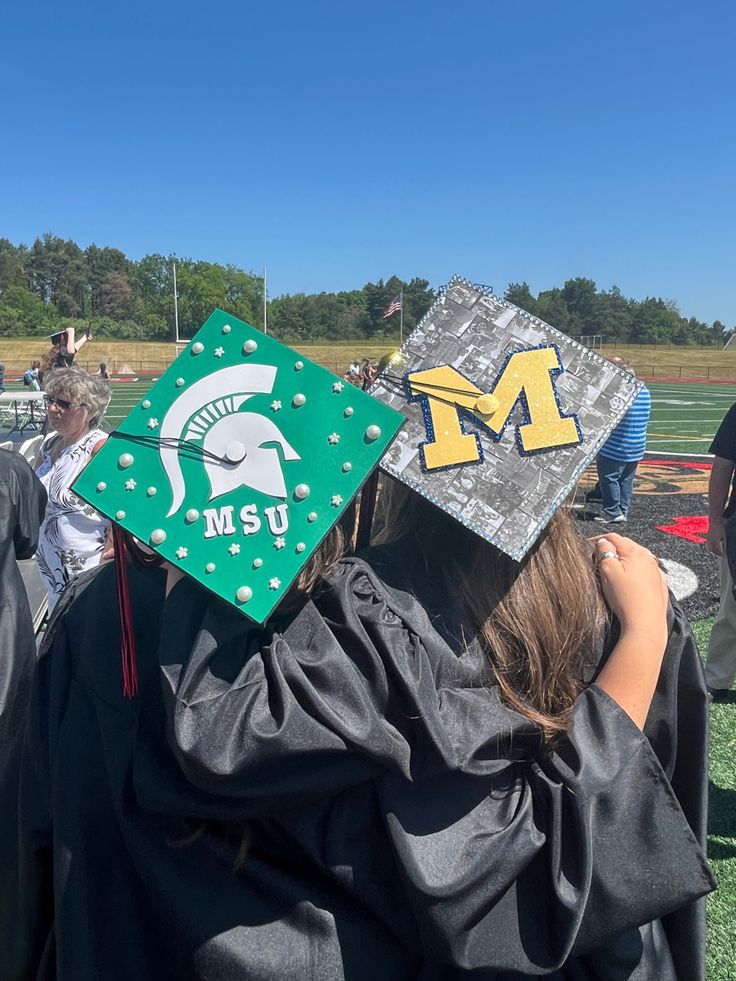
{"x": 367, "y": 507}
{"x": 127, "y": 634}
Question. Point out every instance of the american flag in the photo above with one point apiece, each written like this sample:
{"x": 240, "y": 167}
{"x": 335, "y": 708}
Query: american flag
{"x": 393, "y": 306}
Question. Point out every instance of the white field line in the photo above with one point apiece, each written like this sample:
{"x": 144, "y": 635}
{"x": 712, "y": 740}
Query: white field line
{"x": 686, "y": 391}
{"x": 706, "y": 455}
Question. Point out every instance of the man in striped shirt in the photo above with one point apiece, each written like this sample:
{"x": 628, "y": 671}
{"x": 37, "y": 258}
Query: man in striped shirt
{"x": 619, "y": 457}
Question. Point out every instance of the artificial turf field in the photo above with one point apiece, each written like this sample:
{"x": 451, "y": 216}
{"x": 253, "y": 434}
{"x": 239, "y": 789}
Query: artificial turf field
{"x": 669, "y": 517}
{"x": 684, "y": 416}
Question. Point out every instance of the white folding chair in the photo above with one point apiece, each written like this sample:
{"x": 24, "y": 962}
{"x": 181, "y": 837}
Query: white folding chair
{"x": 29, "y": 447}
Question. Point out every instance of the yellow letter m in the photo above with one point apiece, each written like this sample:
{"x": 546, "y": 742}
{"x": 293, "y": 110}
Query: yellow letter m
{"x": 528, "y": 377}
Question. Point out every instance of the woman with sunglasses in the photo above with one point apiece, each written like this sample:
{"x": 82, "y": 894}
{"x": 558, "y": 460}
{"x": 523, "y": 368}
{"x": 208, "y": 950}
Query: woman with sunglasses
{"x": 73, "y": 534}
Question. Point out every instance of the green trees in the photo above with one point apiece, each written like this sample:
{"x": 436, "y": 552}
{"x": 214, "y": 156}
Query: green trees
{"x": 579, "y": 308}
{"x": 54, "y": 282}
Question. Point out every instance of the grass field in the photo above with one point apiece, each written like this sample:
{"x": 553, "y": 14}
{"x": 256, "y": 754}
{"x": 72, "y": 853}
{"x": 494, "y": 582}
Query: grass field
{"x": 648, "y": 361}
{"x": 151, "y": 356}
{"x": 721, "y": 949}
{"x": 684, "y": 416}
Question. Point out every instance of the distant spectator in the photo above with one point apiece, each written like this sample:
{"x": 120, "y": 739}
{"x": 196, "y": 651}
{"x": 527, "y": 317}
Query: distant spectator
{"x": 354, "y": 368}
{"x": 2, "y": 377}
{"x": 103, "y": 372}
{"x": 368, "y": 374}
{"x": 64, "y": 348}
{"x": 30, "y": 377}
{"x": 619, "y": 457}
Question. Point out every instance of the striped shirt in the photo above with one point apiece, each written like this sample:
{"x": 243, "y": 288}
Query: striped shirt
{"x": 628, "y": 440}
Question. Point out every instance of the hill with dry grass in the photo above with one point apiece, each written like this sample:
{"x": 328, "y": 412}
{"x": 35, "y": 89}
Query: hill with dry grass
{"x": 152, "y": 356}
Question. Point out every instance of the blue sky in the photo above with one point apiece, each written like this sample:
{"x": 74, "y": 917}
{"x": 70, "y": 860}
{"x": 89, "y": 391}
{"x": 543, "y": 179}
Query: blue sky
{"x": 337, "y": 143}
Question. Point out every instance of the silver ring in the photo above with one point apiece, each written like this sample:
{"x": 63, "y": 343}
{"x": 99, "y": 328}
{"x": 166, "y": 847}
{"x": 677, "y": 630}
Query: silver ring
{"x": 600, "y": 556}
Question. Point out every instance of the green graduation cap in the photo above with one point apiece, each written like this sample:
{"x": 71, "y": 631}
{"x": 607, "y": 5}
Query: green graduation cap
{"x": 238, "y": 462}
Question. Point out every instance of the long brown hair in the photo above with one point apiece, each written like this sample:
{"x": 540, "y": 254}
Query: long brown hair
{"x": 539, "y": 620}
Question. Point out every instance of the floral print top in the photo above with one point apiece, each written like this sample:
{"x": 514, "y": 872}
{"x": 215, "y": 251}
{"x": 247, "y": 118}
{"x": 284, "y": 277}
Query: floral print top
{"x": 72, "y": 536}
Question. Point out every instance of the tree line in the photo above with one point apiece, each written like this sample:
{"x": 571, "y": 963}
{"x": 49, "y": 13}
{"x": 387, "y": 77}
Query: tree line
{"x": 54, "y": 283}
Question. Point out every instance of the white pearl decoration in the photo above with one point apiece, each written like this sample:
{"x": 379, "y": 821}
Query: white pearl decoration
{"x": 348, "y": 411}
{"x": 146, "y": 404}
{"x": 347, "y": 466}
{"x": 250, "y": 346}
{"x": 300, "y": 546}
{"x": 244, "y": 594}
{"x": 101, "y": 486}
{"x": 312, "y": 517}
{"x": 373, "y": 432}
{"x": 191, "y": 515}
{"x": 298, "y": 400}
{"x": 257, "y": 563}
{"x": 301, "y": 492}
{"x": 119, "y": 515}
{"x": 235, "y": 451}
{"x": 151, "y": 492}
{"x": 298, "y": 365}
{"x": 210, "y": 567}
{"x": 125, "y": 460}
{"x": 226, "y": 329}
{"x": 197, "y": 347}
{"x": 158, "y": 536}
{"x": 179, "y": 382}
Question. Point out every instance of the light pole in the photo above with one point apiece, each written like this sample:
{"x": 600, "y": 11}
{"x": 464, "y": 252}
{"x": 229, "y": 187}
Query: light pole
{"x": 176, "y": 305}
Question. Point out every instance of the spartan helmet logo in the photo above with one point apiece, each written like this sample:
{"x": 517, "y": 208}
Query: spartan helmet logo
{"x": 212, "y": 420}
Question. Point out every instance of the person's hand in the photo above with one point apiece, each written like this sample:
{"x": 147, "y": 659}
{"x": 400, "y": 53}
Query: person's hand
{"x": 634, "y": 587}
{"x": 715, "y": 539}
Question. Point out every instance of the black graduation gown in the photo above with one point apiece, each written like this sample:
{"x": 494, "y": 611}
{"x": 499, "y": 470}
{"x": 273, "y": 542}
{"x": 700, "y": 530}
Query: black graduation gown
{"x": 22, "y": 505}
{"x": 403, "y": 823}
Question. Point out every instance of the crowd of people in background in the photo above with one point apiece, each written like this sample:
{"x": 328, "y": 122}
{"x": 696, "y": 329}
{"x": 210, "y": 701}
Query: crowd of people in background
{"x": 362, "y": 374}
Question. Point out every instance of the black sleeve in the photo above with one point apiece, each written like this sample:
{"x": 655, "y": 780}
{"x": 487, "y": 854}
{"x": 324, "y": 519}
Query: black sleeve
{"x": 26, "y": 883}
{"x": 30, "y": 506}
{"x": 724, "y": 443}
{"x": 522, "y": 864}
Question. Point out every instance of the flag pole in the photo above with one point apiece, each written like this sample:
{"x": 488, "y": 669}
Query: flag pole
{"x": 401, "y": 322}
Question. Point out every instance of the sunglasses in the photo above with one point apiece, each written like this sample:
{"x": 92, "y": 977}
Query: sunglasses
{"x": 59, "y": 403}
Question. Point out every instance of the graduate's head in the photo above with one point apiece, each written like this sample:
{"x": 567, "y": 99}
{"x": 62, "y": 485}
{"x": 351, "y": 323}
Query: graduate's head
{"x": 502, "y": 415}
{"x": 621, "y": 363}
